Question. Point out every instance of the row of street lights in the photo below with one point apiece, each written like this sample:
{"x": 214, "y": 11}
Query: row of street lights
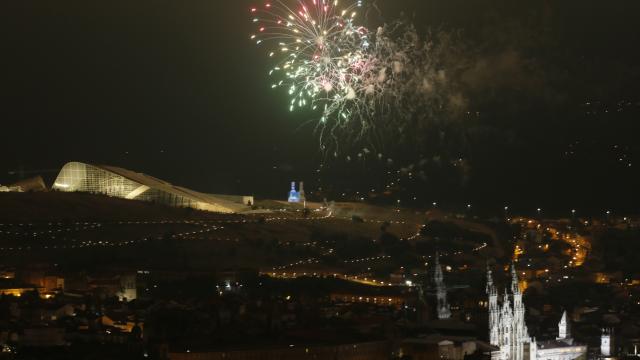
{"x": 538, "y": 210}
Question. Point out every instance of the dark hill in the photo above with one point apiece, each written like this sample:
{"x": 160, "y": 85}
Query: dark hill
{"x": 57, "y": 206}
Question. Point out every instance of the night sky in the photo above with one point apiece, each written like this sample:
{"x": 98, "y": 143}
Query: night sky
{"x": 175, "y": 89}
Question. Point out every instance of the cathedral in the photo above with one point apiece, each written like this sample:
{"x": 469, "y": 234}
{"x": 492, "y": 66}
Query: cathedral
{"x": 508, "y": 330}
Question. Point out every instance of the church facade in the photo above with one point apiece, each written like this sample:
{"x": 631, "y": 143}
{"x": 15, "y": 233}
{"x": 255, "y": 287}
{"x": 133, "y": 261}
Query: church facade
{"x": 508, "y": 330}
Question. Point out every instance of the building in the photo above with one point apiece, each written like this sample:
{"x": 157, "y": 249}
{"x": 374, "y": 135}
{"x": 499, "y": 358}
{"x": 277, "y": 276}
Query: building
{"x": 356, "y": 351}
{"x": 297, "y": 196}
{"x": 507, "y": 328}
{"x": 606, "y": 344}
{"x": 508, "y": 331}
{"x": 123, "y": 286}
{"x": 398, "y": 301}
{"x": 126, "y": 184}
{"x": 128, "y": 287}
{"x": 10, "y": 189}
{"x": 437, "y": 346}
{"x": 444, "y": 311}
{"x": 16, "y": 288}
{"x": 34, "y": 184}
{"x": 562, "y": 348}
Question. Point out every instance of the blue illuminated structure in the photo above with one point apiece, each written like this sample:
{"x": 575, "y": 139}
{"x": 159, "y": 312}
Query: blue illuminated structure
{"x": 294, "y": 196}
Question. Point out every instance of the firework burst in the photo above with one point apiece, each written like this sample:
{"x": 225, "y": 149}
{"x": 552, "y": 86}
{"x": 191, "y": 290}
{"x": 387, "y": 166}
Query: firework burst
{"x": 365, "y": 84}
{"x": 322, "y": 56}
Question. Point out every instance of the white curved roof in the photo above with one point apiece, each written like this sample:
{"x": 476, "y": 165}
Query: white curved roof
{"x": 123, "y": 183}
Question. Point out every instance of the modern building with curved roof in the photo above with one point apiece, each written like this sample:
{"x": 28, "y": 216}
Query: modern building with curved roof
{"x": 126, "y": 184}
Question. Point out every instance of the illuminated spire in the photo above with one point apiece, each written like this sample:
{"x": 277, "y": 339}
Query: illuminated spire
{"x": 444, "y": 311}
{"x": 294, "y": 196}
{"x": 437, "y": 275}
{"x": 515, "y": 288}
{"x": 491, "y": 289}
{"x": 563, "y": 328}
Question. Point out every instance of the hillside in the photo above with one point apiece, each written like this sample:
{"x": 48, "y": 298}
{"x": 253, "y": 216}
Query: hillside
{"x": 55, "y": 206}
{"x": 101, "y": 231}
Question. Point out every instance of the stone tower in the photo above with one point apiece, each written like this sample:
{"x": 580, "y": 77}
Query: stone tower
{"x": 494, "y": 312}
{"x": 564, "y": 330}
{"x": 444, "y": 312}
{"x": 606, "y": 343}
{"x": 301, "y": 194}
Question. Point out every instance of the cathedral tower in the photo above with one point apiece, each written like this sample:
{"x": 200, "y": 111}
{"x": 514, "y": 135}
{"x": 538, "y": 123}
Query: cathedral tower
{"x": 564, "y": 330}
{"x": 520, "y": 332}
{"x": 606, "y": 343}
{"x": 444, "y": 312}
{"x": 494, "y": 312}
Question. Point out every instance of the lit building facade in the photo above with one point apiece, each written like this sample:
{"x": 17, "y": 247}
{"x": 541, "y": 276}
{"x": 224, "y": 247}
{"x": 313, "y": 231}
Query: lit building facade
{"x": 126, "y": 184}
{"x": 297, "y": 196}
{"x": 508, "y": 330}
{"x": 606, "y": 344}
